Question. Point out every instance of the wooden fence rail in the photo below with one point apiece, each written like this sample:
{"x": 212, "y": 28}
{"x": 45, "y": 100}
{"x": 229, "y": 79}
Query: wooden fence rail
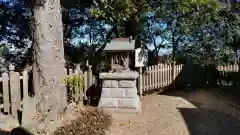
{"x": 161, "y": 75}
{"x": 226, "y": 69}
{"x": 157, "y": 77}
{"x": 15, "y": 88}
{"x": 15, "y": 85}
{"x": 228, "y": 74}
{"x": 80, "y": 94}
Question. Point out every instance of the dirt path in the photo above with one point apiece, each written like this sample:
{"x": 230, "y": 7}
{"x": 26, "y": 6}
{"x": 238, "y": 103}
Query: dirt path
{"x": 182, "y": 113}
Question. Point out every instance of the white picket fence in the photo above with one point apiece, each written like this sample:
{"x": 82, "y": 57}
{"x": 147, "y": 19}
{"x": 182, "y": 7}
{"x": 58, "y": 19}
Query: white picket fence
{"x": 157, "y": 77}
{"x": 225, "y": 69}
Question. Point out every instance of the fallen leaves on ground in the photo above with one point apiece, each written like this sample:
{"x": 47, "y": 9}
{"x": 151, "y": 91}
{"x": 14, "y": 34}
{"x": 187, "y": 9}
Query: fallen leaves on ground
{"x": 90, "y": 122}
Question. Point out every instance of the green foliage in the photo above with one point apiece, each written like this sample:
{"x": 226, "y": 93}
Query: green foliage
{"x": 15, "y": 32}
{"x": 117, "y": 12}
{"x": 188, "y": 25}
{"x": 230, "y": 19}
{"x": 74, "y": 81}
{"x": 197, "y": 30}
{"x": 2, "y": 47}
{"x": 4, "y": 51}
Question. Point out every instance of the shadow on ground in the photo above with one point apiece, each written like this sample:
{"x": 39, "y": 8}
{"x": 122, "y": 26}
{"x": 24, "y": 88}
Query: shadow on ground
{"x": 193, "y": 78}
{"x": 4, "y": 132}
{"x": 212, "y": 115}
{"x": 209, "y": 122}
{"x": 16, "y": 131}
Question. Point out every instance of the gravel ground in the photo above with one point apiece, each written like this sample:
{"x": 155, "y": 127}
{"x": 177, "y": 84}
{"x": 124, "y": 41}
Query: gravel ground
{"x": 179, "y": 113}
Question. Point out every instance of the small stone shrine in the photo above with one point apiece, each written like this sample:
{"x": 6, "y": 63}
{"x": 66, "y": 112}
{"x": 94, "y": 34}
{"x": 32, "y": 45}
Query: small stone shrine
{"x": 119, "y": 90}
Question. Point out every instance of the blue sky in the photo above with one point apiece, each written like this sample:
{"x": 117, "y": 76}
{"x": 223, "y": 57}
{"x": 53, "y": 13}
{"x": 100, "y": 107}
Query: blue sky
{"x": 85, "y": 38}
{"x": 162, "y": 50}
{"x": 76, "y": 40}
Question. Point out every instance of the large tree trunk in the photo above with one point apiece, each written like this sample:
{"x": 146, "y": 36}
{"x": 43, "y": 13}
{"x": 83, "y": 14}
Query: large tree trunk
{"x": 49, "y": 62}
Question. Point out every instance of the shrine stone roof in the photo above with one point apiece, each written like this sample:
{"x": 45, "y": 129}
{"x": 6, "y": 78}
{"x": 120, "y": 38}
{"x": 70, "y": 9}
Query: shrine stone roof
{"x": 120, "y": 44}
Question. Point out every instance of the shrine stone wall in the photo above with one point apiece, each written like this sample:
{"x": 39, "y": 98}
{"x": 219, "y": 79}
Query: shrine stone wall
{"x": 119, "y": 92}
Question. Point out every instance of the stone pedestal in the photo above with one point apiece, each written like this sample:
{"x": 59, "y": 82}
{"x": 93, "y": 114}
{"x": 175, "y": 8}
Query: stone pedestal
{"x": 119, "y": 92}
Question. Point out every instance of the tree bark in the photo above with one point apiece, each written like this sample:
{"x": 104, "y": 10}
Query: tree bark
{"x": 49, "y": 62}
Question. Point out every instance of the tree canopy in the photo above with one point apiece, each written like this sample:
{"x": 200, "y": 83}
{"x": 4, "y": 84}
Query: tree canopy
{"x": 184, "y": 26}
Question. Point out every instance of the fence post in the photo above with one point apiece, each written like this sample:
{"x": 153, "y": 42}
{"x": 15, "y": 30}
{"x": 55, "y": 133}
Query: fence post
{"x": 90, "y": 81}
{"x": 25, "y": 86}
{"x": 146, "y": 79}
{"x": 77, "y": 89}
{"x": 158, "y": 76}
{"x": 29, "y": 103}
{"x": 140, "y": 88}
{"x": 154, "y": 77}
{"x": 150, "y": 77}
{"x": 173, "y": 71}
{"x": 6, "y": 104}
{"x": 15, "y": 90}
{"x": 85, "y": 82}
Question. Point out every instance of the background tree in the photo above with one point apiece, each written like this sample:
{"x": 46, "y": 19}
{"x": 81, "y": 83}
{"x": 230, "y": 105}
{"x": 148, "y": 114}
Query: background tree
{"x": 230, "y": 19}
{"x": 15, "y": 32}
{"x": 85, "y": 34}
{"x": 122, "y": 13}
{"x": 152, "y": 34}
{"x": 183, "y": 19}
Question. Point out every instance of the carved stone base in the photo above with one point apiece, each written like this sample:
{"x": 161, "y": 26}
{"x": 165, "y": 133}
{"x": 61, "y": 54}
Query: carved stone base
{"x": 119, "y": 93}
